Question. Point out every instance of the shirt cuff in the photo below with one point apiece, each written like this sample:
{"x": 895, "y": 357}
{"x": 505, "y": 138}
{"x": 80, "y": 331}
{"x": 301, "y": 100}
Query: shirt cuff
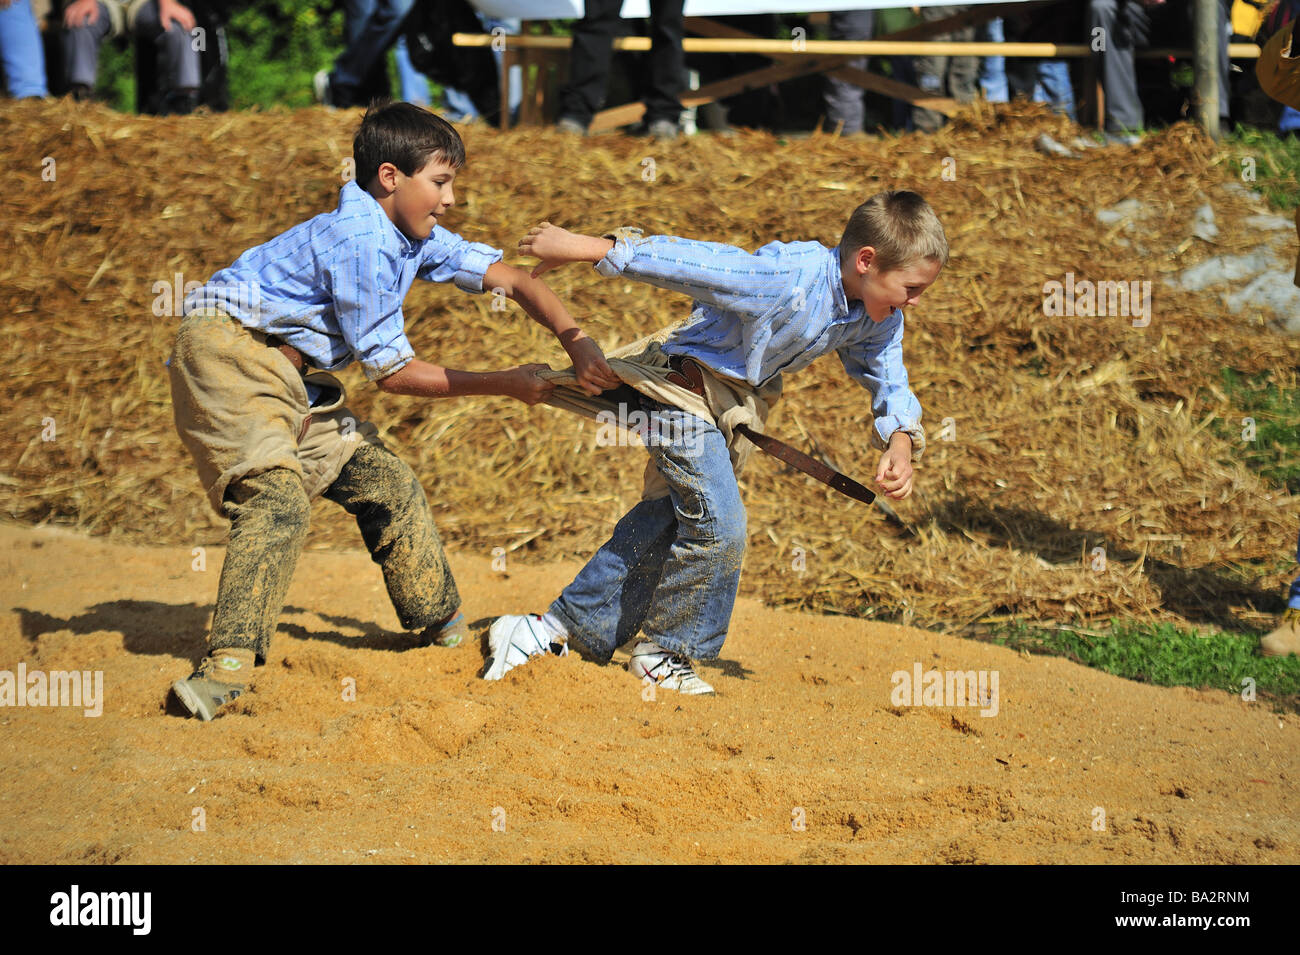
{"x": 886, "y": 427}
{"x": 474, "y": 264}
{"x": 385, "y": 361}
{"x": 620, "y": 256}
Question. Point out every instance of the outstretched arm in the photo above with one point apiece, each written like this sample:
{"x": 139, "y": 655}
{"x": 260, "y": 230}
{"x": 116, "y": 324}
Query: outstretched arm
{"x": 727, "y": 277}
{"x": 556, "y": 246}
{"x": 542, "y": 305}
{"x": 423, "y": 380}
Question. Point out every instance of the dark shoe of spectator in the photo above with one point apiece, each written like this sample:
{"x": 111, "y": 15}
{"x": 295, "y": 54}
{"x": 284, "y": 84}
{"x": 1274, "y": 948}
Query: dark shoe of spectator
{"x": 329, "y": 93}
{"x": 180, "y": 102}
{"x": 567, "y": 124}
{"x": 81, "y": 93}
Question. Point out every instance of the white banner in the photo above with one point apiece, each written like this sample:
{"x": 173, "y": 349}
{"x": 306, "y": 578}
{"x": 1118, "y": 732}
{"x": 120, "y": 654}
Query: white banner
{"x": 572, "y": 9}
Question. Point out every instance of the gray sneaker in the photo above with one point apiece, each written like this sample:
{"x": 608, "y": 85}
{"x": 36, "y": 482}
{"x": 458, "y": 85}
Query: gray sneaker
{"x": 672, "y": 671}
{"x": 567, "y": 124}
{"x": 663, "y": 129}
{"x": 219, "y": 679}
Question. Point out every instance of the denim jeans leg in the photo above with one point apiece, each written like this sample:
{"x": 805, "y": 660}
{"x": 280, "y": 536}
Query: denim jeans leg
{"x": 1054, "y": 86}
{"x": 24, "y": 56}
{"x": 691, "y": 608}
{"x": 1293, "y": 599}
{"x": 672, "y": 567}
{"x": 379, "y": 33}
{"x": 993, "y": 69}
{"x": 606, "y": 604}
{"x": 415, "y": 85}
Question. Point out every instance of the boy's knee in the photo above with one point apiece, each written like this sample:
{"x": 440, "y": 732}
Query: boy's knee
{"x": 730, "y": 533}
{"x": 275, "y": 499}
{"x": 374, "y": 473}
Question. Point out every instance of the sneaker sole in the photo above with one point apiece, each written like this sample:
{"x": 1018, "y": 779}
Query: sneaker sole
{"x": 191, "y": 701}
{"x": 498, "y": 669}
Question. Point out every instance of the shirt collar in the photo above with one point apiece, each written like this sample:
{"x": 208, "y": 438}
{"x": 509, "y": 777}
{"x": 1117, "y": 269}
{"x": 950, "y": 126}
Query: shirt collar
{"x": 353, "y": 198}
{"x": 839, "y": 300}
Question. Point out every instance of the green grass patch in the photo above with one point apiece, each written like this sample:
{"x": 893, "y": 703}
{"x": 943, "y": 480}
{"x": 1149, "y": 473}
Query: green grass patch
{"x": 1167, "y": 655}
{"x": 1273, "y": 450}
{"x": 1267, "y": 163}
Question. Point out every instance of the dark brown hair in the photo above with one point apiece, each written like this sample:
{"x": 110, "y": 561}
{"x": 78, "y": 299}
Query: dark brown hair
{"x": 406, "y": 136}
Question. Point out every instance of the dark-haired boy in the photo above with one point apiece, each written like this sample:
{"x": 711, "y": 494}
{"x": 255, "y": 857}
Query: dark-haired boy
{"x": 267, "y": 434}
{"x": 671, "y": 569}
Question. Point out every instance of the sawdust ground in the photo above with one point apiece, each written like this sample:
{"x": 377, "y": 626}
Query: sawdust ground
{"x": 565, "y": 761}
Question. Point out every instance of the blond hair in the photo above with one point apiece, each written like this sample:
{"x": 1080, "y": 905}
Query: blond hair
{"x": 900, "y": 226}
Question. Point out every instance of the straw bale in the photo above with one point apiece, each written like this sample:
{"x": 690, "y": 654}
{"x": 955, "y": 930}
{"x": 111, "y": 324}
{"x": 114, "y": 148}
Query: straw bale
{"x": 1067, "y": 433}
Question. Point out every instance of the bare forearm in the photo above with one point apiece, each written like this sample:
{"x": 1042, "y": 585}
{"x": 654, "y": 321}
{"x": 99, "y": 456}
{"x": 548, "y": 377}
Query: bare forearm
{"x": 545, "y": 308}
{"x": 424, "y": 380}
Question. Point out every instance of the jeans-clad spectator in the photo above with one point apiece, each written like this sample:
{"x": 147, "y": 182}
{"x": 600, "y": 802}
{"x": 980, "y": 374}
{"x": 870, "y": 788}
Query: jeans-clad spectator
{"x": 21, "y": 51}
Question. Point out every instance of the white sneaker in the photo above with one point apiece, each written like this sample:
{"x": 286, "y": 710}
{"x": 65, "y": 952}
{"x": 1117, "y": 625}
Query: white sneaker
{"x": 672, "y": 671}
{"x": 514, "y": 640}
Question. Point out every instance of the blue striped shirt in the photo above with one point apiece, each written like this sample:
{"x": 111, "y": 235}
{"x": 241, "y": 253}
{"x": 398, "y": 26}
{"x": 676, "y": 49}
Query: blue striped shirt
{"x": 758, "y": 315}
{"x": 333, "y": 286}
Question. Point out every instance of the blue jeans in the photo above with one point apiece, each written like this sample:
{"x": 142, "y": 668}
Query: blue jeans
{"x": 672, "y": 568}
{"x": 381, "y": 22}
{"x": 21, "y": 51}
{"x": 1293, "y": 599}
{"x": 415, "y": 85}
{"x": 993, "y": 69}
{"x": 1054, "y": 87}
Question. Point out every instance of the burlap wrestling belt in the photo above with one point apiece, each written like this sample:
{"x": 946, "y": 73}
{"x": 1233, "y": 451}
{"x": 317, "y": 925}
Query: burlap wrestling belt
{"x": 644, "y": 366}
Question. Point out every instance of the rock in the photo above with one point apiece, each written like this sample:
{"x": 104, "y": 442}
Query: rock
{"x": 1237, "y": 189}
{"x": 1046, "y": 144}
{"x": 1203, "y": 225}
{"x": 1128, "y": 209}
{"x": 1265, "y": 222}
{"x": 1272, "y": 290}
{"x": 1223, "y": 269}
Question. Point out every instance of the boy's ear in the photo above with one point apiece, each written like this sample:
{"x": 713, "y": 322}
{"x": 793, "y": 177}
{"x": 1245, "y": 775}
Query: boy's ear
{"x": 386, "y": 177}
{"x": 866, "y": 255}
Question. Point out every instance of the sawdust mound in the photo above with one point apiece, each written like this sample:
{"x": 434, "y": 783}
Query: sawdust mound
{"x": 1063, "y": 434}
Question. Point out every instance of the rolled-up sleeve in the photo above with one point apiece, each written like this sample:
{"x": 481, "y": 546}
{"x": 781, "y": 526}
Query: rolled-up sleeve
{"x": 877, "y": 365}
{"x": 450, "y": 258}
{"x": 368, "y": 312}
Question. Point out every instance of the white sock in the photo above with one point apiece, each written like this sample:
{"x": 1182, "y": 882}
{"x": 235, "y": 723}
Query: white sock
{"x": 555, "y": 631}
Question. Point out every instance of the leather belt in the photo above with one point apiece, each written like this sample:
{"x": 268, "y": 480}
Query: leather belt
{"x": 287, "y": 350}
{"x": 689, "y": 374}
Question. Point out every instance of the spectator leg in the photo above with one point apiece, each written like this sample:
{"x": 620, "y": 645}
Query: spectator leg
{"x": 667, "y": 62}
{"x": 589, "y": 61}
{"x": 81, "y": 50}
{"x": 1123, "y": 24}
{"x": 844, "y": 101}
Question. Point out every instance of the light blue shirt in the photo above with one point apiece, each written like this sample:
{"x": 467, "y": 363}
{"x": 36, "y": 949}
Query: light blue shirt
{"x": 761, "y": 314}
{"x": 333, "y": 286}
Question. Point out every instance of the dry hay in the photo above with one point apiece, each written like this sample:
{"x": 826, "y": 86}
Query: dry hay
{"x": 1069, "y": 433}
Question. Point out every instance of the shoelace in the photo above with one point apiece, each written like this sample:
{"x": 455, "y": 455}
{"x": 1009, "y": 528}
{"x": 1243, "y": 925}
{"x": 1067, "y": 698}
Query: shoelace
{"x": 540, "y": 643}
{"x": 677, "y": 665}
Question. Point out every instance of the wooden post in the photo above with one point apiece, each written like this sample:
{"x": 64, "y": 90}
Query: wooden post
{"x": 1205, "y": 58}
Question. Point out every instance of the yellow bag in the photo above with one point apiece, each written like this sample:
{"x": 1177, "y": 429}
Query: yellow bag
{"x": 1247, "y": 18}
